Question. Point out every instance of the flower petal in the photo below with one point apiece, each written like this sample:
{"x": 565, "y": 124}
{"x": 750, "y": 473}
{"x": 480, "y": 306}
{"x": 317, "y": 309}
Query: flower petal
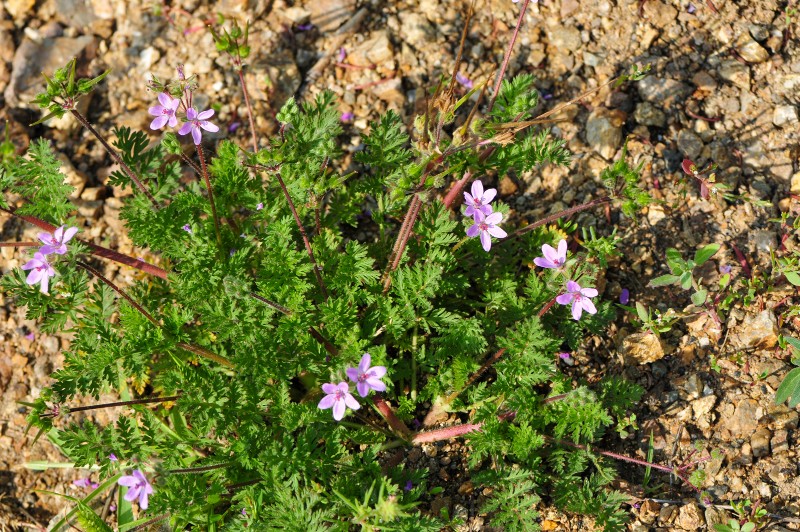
{"x": 156, "y": 110}
{"x": 486, "y": 241}
{"x": 477, "y": 189}
{"x": 338, "y": 410}
{"x": 352, "y": 374}
{"x": 365, "y": 361}
{"x": 564, "y": 299}
{"x": 588, "y": 306}
{"x": 494, "y": 218}
{"x": 576, "y": 310}
{"x": 377, "y": 371}
{"x": 496, "y": 232}
{"x": 473, "y": 230}
{"x": 173, "y": 121}
{"x": 469, "y": 198}
{"x": 363, "y": 388}
{"x": 562, "y": 249}
{"x": 549, "y": 253}
{"x": 543, "y": 263}
{"x": 185, "y": 128}
{"x": 45, "y": 238}
{"x": 45, "y": 283}
{"x": 589, "y": 292}
{"x": 159, "y": 122}
{"x": 208, "y": 126}
{"x": 127, "y": 480}
{"x": 191, "y": 113}
{"x": 69, "y": 233}
{"x": 58, "y": 234}
{"x": 376, "y": 385}
{"x": 469, "y": 211}
{"x": 196, "y": 135}
{"x": 573, "y": 287}
{"x": 143, "y": 503}
{"x": 489, "y": 195}
{"x": 327, "y": 402}
{"x": 350, "y": 401}
{"x": 205, "y": 115}
{"x": 329, "y": 388}
{"x": 132, "y": 494}
{"x": 164, "y": 99}
{"x": 34, "y": 277}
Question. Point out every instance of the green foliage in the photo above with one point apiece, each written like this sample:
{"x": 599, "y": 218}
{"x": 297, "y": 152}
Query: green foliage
{"x": 789, "y": 389}
{"x": 622, "y": 183}
{"x": 245, "y": 329}
{"x": 63, "y": 90}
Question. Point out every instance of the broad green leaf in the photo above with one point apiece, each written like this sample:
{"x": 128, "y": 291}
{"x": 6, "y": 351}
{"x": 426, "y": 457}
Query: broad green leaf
{"x": 664, "y": 280}
{"x": 686, "y": 280}
{"x": 793, "y": 277}
{"x": 705, "y": 253}
{"x": 124, "y": 510}
{"x": 789, "y": 389}
{"x": 674, "y": 260}
{"x": 699, "y": 297}
{"x": 794, "y": 342}
{"x": 642, "y": 312}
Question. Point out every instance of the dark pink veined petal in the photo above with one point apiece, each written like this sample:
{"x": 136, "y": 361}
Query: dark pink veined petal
{"x": 489, "y": 195}
{"x": 330, "y": 388}
{"x": 338, "y": 410}
{"x": 486, "y": 241}
{"x": 564, "y": 299}
{"x": 688, "y": 167}
{"x": 477, "y": 189}
{"x": 159, "y": 122}
{"x": 473, "y": 230}
{"x": 327, "y": 402}
{"x": 205, "y": 115}
{"x": 496, "y": 232}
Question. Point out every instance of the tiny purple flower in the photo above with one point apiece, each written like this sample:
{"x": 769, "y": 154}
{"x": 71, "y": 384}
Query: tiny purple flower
{"x": 112, "y": 507}
{"x": 232, "y": 252}
{"x": 347, "y": 117}
{"x": 304, "y": 27}
{"x": 41, "y": 271}
{"x": 338, "y": 397}
{"x": 164, "y": 113}
{"x": 465, "y": 81}
{"x": 564, "y": 356}
{"x": 479, "y": 199}
{"x": 57, "y": 241}
{"x": 367, "y": 377}
{"x": 113, "y": 457}
{"x": 30, "y": 336}
{"x": 259, "y": 206}
{"x": 85, "y": 483}
{"x": 195, "y": 121}
{"x": 234, "y": 126}
{"x": 244, "y": 512}
{"x": 579, "y": 298}
{"x": 624, "y": 296}
{"x": 725, "y": 268}
{"x": 552, "y": 258}
{"x": 187, "y": 228}
{"x": 409, "y": 486}
{"x": 138, "y": 487}
{"x": 691, "y": 9}
{"x": 341, "y": 54}
{"x": 485, "y": 226}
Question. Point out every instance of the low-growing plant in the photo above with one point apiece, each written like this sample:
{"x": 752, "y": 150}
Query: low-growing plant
{"x": 267, "y": 360}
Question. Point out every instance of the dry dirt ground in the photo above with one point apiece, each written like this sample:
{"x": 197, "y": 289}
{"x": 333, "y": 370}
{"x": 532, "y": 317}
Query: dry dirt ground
{"x": 722, "y": 89}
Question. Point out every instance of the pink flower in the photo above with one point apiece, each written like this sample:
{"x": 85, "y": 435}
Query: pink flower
{"x": 367, "y": 377}
{"x": 624, "y": 296}
{"x": 338, "y": 397}
{"x": 485, "y": 226}
{"x": 57, "y": 241}
{"x": 138, "y": 488}
{"x": 41, "y": 271}
{"x": 479, "y": 200}
{"x": 579, "y": 298}
{"x": 552, "y": 258}
{"x": 113, "y": 457}
{"x": 195, "y": 121}
{"x": 85, "y": 483}
{"x": 259, "y": 206}
{"x": 164, "y": 113}
{"x": 465, "y": 81}
{"x": 347, "y": 117}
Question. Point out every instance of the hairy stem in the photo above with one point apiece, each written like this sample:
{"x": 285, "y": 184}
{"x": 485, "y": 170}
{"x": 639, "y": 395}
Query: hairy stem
{"x": 199, "y": 469}
{"x": 114, "y": 155}
{"x": 146, "y": 524}
{"x": 145, "y": 400}
{"x": 555, "y": 216}
{"x": 305, "y": 237}
{"x": 507, "y": 57}
{"x": 121, "y": 292}
{"x": 19, "y": 244}
{"x": 249, "y": 109}
{"x": 388, "y": 414}
{"x": 210, "y": 194}
{"x": 208, "y": 355}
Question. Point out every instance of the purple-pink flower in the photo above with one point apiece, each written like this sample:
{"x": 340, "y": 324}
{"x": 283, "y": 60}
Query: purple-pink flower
{"x": 367, "y": 377}
{"x": 347, "y": 117}
{"x": 338, "y": 397}
{"x": 552, "y": 258}
{"x": 85, "y": 483}
{"x": 624, "y": 296}
{"x": 164, "y": 113}
{"x": 579, "y": 299}
{"x": 486, "y": 226}
{"x": 56, "y": 242}
{"x": 138, "y": 488}
{"x": 41, "y": 271}
{"x": 464, "y": 80}
{"x": 196, "y": 121}
{"x": 479, "y": 200}
{"x": 113, "y": 457}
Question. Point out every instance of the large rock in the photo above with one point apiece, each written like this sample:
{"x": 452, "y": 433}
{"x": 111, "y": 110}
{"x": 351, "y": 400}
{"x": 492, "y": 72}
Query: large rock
{"x": 757, "y": 331}
{"x": 604, "y": 131}
{"x": 642, "y": 348}
{"x": 662, "y": 91}
{"x": 32, "y": 58}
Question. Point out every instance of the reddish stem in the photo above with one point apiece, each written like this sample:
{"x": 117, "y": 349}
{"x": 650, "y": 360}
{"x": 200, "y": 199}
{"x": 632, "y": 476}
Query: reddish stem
{"x": 546, "y": 307}
{"x": 507, "y": 57}
{"x": 143, "y": 401}
{"x": 249, "y": 109}
{"x": 388, "y": 414}
{"x": 210, "y": 194}
{"x": 19, "y": 244}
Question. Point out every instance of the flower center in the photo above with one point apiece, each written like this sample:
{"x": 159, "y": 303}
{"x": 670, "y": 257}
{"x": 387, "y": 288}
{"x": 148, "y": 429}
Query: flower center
{"x": 483, "y": 226}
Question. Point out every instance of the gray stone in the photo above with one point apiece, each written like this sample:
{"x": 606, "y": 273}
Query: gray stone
{"x": 689, "y": 144}
{"x": 78, "y": 14}
{"x": 662, "y": 91}
{"x": 734, "y": 72}
{"x": 702, "y": 406}
{"x": 564, "y": 38}
{"x": 759, "y": 442}
{"x": 744, "y": 419}
{"x": 690, "y": 517}
{"x": 750, "y": 50}
{"x": 31, "y": 59}
{"x": 374, "y": 51}
{"x": 328, "y": 15}
{"x": 648, "y": 114}
{"x": 780, "y": 442}
{"x": 603, "y": 132}
{"x": 390, "y": 91}
{"x": 415, "y": 28}
{"x": 296, "y": 15}
{"x": 659, "y": 14}
{"x": 785, "y": 115}
{"x": 715, "y": 516}
{"x": 642, "y": 348}
{"x": 764, "y": 240}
